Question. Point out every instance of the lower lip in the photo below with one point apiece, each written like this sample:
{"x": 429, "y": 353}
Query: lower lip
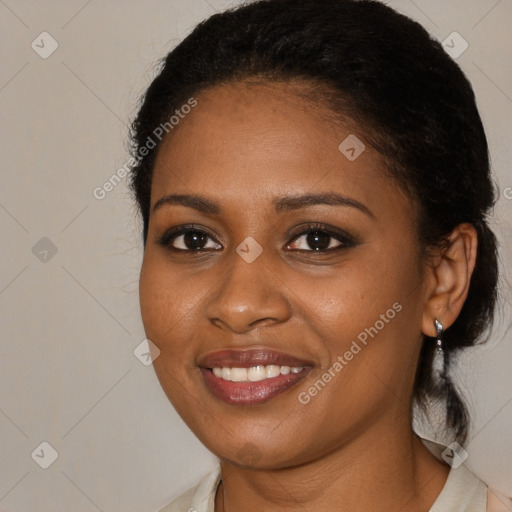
{"x": 251, "y": 393}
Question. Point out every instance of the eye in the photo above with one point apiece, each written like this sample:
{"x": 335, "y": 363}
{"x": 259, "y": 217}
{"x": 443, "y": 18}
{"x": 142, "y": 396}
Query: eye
{"x": 188, "y": 238}
{"x": 319, "y": 238}
{"x": 315, "y": 238}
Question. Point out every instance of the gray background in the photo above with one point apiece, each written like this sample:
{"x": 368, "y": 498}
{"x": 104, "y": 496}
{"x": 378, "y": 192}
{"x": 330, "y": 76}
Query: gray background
{"x": 70, "y": 320}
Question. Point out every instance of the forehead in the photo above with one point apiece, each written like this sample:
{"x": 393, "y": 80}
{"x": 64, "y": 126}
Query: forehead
{"x": 249, "y": 141}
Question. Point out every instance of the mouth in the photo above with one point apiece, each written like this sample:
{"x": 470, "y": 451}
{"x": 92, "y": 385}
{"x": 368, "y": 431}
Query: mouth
{"x": 251, "y": 377}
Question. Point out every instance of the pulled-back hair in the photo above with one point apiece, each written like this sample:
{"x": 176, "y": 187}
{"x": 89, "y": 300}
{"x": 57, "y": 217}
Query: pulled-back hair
{"x": 411, "y": 100}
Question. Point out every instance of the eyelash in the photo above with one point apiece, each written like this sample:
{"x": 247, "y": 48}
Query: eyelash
{"x": 346, "y": 240}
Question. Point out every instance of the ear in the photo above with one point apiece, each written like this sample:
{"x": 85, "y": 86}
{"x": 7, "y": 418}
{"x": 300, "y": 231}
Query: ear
{"x": 448, "y": 277}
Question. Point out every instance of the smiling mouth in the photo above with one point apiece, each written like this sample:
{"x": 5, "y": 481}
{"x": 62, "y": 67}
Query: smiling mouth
{"x": 251, "y": 377}
{"x": 247, "y": 392}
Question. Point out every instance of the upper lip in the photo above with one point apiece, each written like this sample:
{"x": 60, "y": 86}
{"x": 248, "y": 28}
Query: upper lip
{"x": 250, "y": 357}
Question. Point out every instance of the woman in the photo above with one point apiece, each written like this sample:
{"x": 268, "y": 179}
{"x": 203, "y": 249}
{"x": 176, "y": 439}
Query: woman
{"x": 314, "y": 182}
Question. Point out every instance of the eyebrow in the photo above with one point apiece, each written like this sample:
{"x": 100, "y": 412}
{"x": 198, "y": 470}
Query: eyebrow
{"x": 281, "y": 204}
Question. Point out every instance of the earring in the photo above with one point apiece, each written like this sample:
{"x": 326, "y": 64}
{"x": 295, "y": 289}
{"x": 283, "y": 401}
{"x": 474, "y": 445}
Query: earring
{"x": 439, "y": 335}
{"x": 439, "y": 359}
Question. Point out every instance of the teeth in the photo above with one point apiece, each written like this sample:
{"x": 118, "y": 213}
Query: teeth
{"x": 272, "y": 371}
{"x": 238, "y": 374}
{"x": 255, "y": 373}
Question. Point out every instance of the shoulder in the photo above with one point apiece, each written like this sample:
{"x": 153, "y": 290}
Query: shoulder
{"x": 496, "y": 502}
{"x": 464, "y": 491}
{"x": 181, "y": 504}
{"x": 200, "y": 498}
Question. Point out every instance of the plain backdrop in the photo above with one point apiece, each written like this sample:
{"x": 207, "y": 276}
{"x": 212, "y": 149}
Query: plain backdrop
{"x": 70, "y": 318}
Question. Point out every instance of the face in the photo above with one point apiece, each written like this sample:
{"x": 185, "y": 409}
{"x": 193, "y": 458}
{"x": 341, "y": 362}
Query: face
{"x": 281, "y": 281}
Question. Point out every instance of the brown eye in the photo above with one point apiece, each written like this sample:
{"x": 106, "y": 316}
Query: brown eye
{"x": 188, "y": 239}
{"x": 320, "y": 239}
{"x": 316, "y": 241}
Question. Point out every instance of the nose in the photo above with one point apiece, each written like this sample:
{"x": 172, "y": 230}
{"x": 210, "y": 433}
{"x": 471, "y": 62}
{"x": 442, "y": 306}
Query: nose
{"x": 248, "y": 296}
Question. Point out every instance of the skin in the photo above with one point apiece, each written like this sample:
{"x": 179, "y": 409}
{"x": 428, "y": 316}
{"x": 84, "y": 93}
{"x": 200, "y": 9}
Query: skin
{"x": 351, "y": 448}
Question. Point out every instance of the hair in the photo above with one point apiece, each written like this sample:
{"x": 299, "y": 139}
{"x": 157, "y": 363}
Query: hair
{"x": 382, "y": 70}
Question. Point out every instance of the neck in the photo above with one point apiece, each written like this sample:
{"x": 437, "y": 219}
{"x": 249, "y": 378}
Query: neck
{"x": 385, "y": 473}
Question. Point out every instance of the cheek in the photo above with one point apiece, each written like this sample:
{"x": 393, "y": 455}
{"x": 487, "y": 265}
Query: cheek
{"x": 373, "y": 302}
{"x": 167, "y": 303}
{"x": 170, "y": 321}
{"x": 352, "y": 298}
{"x": 367, "y": 321}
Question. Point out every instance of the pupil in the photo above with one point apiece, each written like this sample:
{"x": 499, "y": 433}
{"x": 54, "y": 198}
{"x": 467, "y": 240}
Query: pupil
{"x": 318, "y": 241}
{"x": 194, "y": 240}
